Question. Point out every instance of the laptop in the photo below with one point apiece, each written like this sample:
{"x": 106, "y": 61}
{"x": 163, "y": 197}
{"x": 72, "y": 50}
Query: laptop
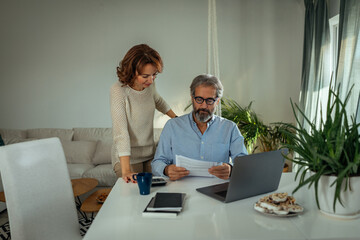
{"x": 251, "y": 175}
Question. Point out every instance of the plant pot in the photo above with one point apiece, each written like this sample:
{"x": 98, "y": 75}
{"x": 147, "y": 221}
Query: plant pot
{"x": 350, "y": 198}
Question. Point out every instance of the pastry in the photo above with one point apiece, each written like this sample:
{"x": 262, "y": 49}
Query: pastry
{"x": 279, "y": 197}
{"x": 278, "y": 204}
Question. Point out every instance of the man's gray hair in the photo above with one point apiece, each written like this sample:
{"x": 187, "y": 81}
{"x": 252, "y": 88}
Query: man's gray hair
{"x": 207, "y": 80}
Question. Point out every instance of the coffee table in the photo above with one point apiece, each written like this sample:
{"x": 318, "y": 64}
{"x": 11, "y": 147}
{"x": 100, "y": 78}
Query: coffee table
{"x": 2, "y": 197}
{"x": 81, "y": 186}
{"x": 91, "y": 205}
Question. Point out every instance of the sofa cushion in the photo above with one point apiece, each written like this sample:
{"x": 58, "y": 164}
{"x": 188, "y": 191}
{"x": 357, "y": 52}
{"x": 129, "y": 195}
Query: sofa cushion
{"x": 62, "y": 134}
{"x": 77, "y": 170}
{"x": 102, "y": 153}
{"x": 12, "y": 135}
{"x": 93, "y": 134}
{"x": 19, "y": 140}
{"x": 104, "y": 173}
{"x": 79, "y": 151}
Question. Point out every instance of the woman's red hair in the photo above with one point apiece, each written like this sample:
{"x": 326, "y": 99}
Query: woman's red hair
{"x": 135, "y": 60}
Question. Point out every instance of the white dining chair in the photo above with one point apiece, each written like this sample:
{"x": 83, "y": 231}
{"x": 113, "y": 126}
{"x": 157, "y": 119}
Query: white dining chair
{"x": 38, "y": 191}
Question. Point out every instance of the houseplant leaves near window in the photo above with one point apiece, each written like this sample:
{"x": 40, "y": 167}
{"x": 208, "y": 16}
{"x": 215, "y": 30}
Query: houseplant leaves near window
{"x": 255, "y": 132}
{"x": 330, "y": 148}
{"x": 250, "y": 126}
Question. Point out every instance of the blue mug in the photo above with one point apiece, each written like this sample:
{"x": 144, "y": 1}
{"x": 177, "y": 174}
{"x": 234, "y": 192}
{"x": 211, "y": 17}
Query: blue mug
{"x": 144, "y": 181}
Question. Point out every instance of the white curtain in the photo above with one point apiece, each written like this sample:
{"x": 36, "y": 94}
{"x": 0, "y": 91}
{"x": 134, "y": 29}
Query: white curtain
{"x": 348, "y": 73}
{"x": 212, "y": 46}
{"x": 316, "y": 61}
{"x": 316, "y": 74}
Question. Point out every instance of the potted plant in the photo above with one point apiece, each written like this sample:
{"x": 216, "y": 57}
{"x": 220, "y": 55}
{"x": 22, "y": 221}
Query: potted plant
{"x": 330, "y": 151}
{"x": 274, "y": 138}
{"x": 257, "y": 135}
{"x": 250, "y": 126}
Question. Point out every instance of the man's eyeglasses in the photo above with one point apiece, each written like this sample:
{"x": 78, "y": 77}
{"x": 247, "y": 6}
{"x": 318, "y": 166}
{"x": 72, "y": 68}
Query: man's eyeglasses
{"x": 209, "y": 101}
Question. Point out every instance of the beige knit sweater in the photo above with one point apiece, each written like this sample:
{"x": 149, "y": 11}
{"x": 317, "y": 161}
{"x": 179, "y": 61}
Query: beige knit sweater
{"x": 132, "y": 115}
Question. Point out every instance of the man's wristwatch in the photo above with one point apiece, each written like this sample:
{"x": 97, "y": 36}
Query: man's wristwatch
{"x": 230, "y": 169}
{"x": 164, "y": 172}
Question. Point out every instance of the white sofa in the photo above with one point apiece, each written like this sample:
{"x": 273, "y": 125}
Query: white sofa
{"x": 87, "y": 150}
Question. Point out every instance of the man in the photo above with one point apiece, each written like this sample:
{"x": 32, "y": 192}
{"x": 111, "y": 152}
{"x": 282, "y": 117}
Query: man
{"x": 199, "y": 135}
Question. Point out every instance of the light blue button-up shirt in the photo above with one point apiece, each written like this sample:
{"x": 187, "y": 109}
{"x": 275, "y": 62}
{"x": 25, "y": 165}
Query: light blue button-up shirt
{"x": 221, "y": 141}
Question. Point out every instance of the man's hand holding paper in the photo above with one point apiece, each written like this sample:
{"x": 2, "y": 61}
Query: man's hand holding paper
{"x": 223, "y": 171}
{"x": 175, "y": 173}
{"x": 199, "y": 168}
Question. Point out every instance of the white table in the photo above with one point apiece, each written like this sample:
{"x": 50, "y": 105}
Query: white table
{"x": 206, "y": 218}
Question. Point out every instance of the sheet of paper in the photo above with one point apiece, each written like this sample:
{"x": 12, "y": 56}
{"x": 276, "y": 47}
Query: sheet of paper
{"x": 196, "y": 167}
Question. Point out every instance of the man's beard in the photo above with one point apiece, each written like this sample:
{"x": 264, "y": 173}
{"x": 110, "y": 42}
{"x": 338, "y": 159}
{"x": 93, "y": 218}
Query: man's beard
{"x": 202, "y": 114}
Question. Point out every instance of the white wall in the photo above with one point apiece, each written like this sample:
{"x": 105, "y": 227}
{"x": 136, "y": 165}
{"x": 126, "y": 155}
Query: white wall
{"x": 58, "y": 58}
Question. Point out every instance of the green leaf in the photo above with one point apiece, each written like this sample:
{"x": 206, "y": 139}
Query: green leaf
{"x": 328, "y": 148}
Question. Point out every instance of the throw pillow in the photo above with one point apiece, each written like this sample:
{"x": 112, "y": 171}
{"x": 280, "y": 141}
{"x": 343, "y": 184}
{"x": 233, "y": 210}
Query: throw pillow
{"x": 11, "y": 136}
{"x": 93, "y": 134}
{"x": 79, "y": 151}
{"x": 102, "y": 153}
{"x": 40, "y": 133}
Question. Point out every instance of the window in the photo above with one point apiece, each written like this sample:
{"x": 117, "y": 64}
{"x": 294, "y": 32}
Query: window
{"x": 334, "y": 43}
{"x": 332, "y": 61}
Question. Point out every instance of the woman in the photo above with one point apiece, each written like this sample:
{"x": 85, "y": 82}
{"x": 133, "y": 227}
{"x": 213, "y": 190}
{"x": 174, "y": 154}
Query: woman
{"x": 133, "y": 100}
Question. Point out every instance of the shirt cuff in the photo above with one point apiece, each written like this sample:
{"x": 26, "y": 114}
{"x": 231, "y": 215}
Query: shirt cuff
{"x": 158, "y": 168}
{"x": 122, "y": 154}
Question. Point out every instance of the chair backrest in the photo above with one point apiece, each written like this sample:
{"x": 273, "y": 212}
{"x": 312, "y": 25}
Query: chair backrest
{"x": 38, "y": 191}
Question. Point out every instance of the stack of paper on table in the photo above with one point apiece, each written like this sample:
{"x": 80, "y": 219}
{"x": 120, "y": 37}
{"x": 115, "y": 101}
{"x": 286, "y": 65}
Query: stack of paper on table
{"x": 165, "y": 205}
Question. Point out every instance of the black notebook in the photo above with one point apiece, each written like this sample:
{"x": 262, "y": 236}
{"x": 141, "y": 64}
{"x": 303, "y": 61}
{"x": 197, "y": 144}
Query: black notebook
{"x": 168, "y": 201}
{"x": 168, "y": 205}
{"x": 158, "y": 213}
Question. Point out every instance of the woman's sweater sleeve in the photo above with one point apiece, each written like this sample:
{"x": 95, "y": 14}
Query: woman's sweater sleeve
{"x": 119, "y": 120}
{"x": 160, "y": 103}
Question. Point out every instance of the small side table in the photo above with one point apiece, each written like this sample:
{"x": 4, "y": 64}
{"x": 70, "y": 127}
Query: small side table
{"x": 91, "y": 205}
{"x": 81, "y": 186}
{"x": 2, "y": 197}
